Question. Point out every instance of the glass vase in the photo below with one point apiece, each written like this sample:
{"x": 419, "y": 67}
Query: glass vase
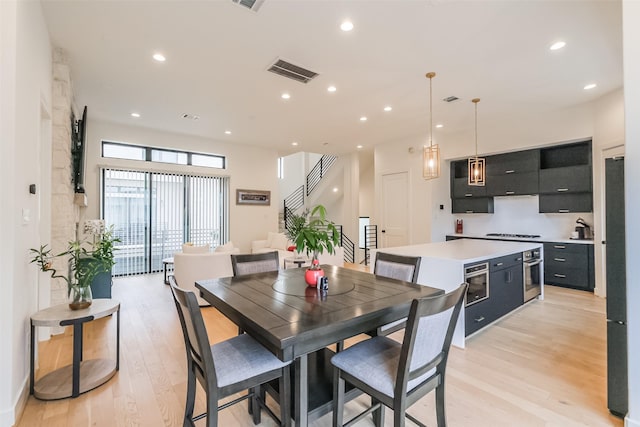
{"x": 79, "y": 297}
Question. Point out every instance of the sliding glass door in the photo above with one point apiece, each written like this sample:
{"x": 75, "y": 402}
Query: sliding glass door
{"x": 154, "y": 213}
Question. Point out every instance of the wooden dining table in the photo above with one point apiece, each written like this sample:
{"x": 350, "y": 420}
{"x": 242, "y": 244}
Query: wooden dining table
{"x": 297, "y": 322}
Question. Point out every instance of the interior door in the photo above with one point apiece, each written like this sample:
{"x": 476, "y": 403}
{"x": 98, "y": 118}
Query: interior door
{"x": 395, "y": 210}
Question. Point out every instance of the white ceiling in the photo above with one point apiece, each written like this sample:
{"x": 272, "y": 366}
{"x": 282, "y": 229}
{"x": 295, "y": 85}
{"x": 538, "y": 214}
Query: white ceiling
{"x": 218, "y": 52}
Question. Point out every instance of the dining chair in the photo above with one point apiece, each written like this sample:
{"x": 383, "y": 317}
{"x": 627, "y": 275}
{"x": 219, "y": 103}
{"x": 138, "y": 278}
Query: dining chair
{"x": 397, "y": 375}
{"x": 254, "y": 263}
{"x": 226, "y": 368}
{"x": 398, "y": 267}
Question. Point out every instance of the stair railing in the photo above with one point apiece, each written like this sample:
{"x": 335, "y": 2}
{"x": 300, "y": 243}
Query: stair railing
{"x": 319, "y": 170}
{"x": 292, "y": 203}
{"x": 370, "y": 241}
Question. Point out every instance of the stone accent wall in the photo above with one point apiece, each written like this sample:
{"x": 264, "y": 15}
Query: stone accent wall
{"x": 64, "y": 213}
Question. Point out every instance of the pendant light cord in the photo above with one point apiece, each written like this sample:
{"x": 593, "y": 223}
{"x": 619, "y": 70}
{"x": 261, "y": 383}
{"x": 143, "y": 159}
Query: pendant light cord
{"x": 430, "y": 76}
{"x": 475, "y": 102}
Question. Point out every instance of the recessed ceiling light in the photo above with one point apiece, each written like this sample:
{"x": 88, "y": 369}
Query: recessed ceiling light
{"x": 136, "y": 115}
{"x": 331, "y": 89}
{"x": 439, "y": 126}
{"x": 285, "y": 96}
{"x": 388, "y": 108}
{"x": 358, "y": 146}
{"x": 228, "y": 132}
{"x": 557, "y": 45}
{"x": 159, "y": 57}
{"x": 335, "y": 189}
{"x": 346, "y": 26}
{"x": 294, "y": 143}
{"x": 590, "y": 86}
{"x": 363, "y": 119}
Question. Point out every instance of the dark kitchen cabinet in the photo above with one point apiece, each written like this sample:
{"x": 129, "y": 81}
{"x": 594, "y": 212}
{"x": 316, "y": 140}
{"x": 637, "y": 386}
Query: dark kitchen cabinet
{"x": 513, "y": 173}
{"x": 472, "y": 205}
{"x": 565, "y": 203}
{"x": 569, "y": 265}
{"x": 506, "y": 293}
{"x": 566, "y": 178}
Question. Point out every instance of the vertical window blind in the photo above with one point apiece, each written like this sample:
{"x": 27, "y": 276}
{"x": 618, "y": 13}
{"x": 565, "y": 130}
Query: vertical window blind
{"x": 154, "y": 213}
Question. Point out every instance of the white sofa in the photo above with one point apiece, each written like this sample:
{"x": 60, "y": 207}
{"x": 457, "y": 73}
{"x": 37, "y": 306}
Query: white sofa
{"x": 191, "y": 265}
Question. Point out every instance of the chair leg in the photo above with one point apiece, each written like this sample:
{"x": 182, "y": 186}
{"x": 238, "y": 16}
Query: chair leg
{"x": 191, "y": 396}
{"x": 338, "y": 398}
{"x": 378, "y": 414}
{"x": 399, "y": 417}
{"x": 440, "y": 407}
{"x": 212, "y": 408}
{"x": 284, "y": 385}
{"x": 254, "y": 406}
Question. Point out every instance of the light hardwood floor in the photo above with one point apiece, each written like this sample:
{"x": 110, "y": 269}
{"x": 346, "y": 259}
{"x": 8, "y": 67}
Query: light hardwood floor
{"x": 543, "y": 365}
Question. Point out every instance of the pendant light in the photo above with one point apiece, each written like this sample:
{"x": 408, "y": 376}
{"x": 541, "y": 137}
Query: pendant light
{"x": 431, "y": 152}
{"x": 476, "y": 172}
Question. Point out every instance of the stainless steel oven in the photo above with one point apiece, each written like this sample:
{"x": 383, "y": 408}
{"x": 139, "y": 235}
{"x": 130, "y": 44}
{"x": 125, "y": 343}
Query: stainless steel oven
{"x": 477, "y": 276}
{"x": 532, "y": 267}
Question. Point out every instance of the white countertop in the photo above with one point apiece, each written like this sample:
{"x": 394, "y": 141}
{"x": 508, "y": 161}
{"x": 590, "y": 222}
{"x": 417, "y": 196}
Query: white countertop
{"x": 464, "y": 250}
{"x": 537, "y": 239}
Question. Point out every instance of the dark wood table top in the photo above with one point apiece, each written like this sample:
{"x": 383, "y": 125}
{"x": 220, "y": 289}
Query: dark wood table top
{"x": 292, "y": 319}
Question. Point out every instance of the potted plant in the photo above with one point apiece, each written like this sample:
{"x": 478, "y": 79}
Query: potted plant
{"x": 86, "y": 261}
{"x": 313, "y": 233}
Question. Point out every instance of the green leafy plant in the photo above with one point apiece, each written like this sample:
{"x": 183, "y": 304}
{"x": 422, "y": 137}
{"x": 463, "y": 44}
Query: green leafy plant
{"x": 81, "y": 274}
{"x": 314, "y": 233}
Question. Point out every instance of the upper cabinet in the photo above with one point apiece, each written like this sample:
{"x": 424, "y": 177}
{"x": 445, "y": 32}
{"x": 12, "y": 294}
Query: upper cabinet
{"x": 561, "y": 175}
{"x": 566, "y": 178}
{"x": 513, "y": 173}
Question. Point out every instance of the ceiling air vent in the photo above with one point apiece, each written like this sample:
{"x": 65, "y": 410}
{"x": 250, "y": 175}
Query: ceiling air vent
{"x": 190, "y": 116}
{"x": 451, "y": 98}
{"x": 250, "y": 4}
{"x": 287, "y": 69}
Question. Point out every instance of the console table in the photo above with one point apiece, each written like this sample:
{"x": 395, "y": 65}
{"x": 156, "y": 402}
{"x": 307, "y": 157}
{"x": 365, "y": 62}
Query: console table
{"x": 82, "y": 375}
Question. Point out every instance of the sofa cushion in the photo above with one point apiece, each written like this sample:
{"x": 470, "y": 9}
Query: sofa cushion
{"x": 270, "y": 237}
{"x": 280, "y": 242}
{"x": 192, "y": 249}
{"x": 227, "y": 247}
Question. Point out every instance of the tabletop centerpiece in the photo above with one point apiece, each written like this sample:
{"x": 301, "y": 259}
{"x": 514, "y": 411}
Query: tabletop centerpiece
{"x": 313, "y": 233}
{"x": 86, "y": 260}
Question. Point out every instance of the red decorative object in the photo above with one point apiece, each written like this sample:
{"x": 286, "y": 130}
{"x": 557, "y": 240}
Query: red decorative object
{"x": 312, "y": 274}
{"x": 291, "y": 248}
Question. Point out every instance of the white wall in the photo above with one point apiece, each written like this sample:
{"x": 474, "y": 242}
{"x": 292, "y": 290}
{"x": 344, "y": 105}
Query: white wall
{"x": 294, "y": 175}
{"x": 248, "y": 167}
{"x": 631, "y": 36}
{"x": 25, "y": 92}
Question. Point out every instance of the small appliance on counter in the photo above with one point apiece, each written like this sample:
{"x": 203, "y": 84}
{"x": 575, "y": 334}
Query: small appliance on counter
{"x": 583, "y": 230}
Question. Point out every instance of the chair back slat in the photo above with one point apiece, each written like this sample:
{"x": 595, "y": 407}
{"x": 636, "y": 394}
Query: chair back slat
{"x": 194, "y": 331}
{"x": 398, "y": 267}
{"x": 243, "y": 264}
{"x": 428, "y": 336}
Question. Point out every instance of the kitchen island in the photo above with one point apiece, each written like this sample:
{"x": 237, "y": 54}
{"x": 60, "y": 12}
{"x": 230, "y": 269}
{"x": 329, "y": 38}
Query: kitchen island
{"x": 443, "y": 265}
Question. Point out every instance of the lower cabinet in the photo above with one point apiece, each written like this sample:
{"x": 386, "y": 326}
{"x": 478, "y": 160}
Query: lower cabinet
{"x": 569, "y": 265}
{"x": 506, "y": 293}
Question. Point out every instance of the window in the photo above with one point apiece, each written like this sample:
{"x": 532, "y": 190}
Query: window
{"x": 117, "y": 150}
{"x": 281, "y": 167}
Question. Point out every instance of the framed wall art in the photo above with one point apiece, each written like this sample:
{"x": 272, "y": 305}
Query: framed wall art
{"x": 253, "y": 197}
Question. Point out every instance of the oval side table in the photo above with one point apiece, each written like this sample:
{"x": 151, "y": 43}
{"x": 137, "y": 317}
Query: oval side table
{"x": 82, "y": 375}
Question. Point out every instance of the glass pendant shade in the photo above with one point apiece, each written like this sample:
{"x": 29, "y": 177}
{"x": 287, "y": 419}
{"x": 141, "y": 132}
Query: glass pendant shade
{"x": 431, "y": 152}
{"x": 431, "y": 159}
{"x": 477, "y": 172}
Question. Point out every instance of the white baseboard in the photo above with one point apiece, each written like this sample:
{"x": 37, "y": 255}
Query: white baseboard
{"x": 628, "y": 422}
{"x": 10, "y": 416}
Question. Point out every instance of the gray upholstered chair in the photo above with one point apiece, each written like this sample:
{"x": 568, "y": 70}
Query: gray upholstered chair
{"x": 254, "y": 263}
{"x": 405, "y": 268}
{"x": 226, "y": 368}
{"x": 397, "y": 375}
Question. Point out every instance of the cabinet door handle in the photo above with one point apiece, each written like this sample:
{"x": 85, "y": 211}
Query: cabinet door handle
{"x": 559, "y": 259}
{"x": 562, "y": 190}
{"x": 564, "y": 210}
{"x": 559, "y": 247}
{"x": 499, "y": 264}
{"x": 510, "y": 193}
{"x": 469, "y": 211}
{"x": 479, "y": 319}
{"x": 560, "y": 276}
{"x": 468, "y": 195}
{"x": 509, "y": 171}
